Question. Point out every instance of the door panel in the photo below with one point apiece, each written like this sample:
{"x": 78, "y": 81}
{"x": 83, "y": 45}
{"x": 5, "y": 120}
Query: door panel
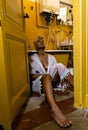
{"x": 13, "y": 12}
{"x": 18, "y": 67}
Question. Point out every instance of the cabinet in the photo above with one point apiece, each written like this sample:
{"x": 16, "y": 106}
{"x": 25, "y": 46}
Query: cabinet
{"x": 49, "y": 6}
{"x": 14, "y": 81}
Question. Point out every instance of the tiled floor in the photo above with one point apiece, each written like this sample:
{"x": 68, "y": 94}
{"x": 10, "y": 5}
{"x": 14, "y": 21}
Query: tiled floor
{"x": 36, "y": 117}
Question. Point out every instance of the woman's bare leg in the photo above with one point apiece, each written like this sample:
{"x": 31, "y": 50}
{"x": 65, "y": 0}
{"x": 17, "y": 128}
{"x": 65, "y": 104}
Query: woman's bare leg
{"x": 56, "y": 112}
{"x": 55, "y": 83}
{"x": 56, "y": 80}
{"x": 69, "y": 79}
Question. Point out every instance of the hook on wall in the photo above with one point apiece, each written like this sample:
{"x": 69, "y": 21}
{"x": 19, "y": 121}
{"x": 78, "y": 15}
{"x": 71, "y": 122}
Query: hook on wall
{"x": 26, "y": 16}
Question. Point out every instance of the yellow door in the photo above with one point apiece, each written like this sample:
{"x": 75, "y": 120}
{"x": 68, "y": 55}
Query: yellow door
{"x": 14, "y": 83}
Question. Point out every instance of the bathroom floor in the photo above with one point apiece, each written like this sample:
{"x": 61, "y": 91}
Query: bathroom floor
{"x": 35, "y": 115}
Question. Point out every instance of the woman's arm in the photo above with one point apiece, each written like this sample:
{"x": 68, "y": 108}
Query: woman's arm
{"x": 34, "y": 76}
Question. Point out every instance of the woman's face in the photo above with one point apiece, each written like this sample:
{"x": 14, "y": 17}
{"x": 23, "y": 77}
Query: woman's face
{"x": 40, "y": 44}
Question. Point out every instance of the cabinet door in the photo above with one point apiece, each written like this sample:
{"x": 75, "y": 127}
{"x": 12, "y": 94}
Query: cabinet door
{"x": 13, "y": 67}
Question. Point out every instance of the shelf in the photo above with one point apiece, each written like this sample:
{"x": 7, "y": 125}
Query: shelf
{"x": 66, "y": 47}
{"x": 51, "y": 51}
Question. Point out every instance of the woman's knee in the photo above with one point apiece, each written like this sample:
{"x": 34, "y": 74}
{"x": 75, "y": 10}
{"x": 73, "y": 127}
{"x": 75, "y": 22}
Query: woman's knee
{"x": 47, "y": 77}
{"x": 61, "y": 68}
{"x": 61, "y": 65}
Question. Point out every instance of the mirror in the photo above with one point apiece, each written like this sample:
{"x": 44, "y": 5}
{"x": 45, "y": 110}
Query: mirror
{"x": 65, "y": 14}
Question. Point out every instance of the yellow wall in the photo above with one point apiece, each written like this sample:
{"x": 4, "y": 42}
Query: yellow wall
{"x": 77, "y": 48}
{"x": 36, "y": 25}
{"x": 81, "y": 52}
{"x": 86, "y": 52}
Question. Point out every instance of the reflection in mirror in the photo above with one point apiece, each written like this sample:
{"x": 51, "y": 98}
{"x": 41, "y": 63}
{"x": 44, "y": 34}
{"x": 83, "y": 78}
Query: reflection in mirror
{"x": 62, "y": 14}
{"x": 65, "y": 14}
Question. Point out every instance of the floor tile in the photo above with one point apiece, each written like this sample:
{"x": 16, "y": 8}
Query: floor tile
{"x": 39, "y": 116}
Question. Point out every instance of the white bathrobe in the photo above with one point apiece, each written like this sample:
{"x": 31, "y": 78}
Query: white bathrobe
{"x": 53, "y": 67}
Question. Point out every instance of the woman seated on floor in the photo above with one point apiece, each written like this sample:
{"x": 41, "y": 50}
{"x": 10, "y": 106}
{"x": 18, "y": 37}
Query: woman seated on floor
{"x": 46, "y": 74}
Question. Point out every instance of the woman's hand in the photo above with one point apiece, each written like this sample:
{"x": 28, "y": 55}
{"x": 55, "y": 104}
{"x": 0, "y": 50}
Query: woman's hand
{"x": 34, "y": 76}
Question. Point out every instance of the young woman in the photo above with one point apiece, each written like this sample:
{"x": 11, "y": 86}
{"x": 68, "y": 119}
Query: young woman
{"x": 46, "y": 73}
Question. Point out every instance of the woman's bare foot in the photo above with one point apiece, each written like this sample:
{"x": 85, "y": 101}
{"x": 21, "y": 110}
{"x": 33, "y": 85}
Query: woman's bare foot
{"x": 60, "y": 119}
